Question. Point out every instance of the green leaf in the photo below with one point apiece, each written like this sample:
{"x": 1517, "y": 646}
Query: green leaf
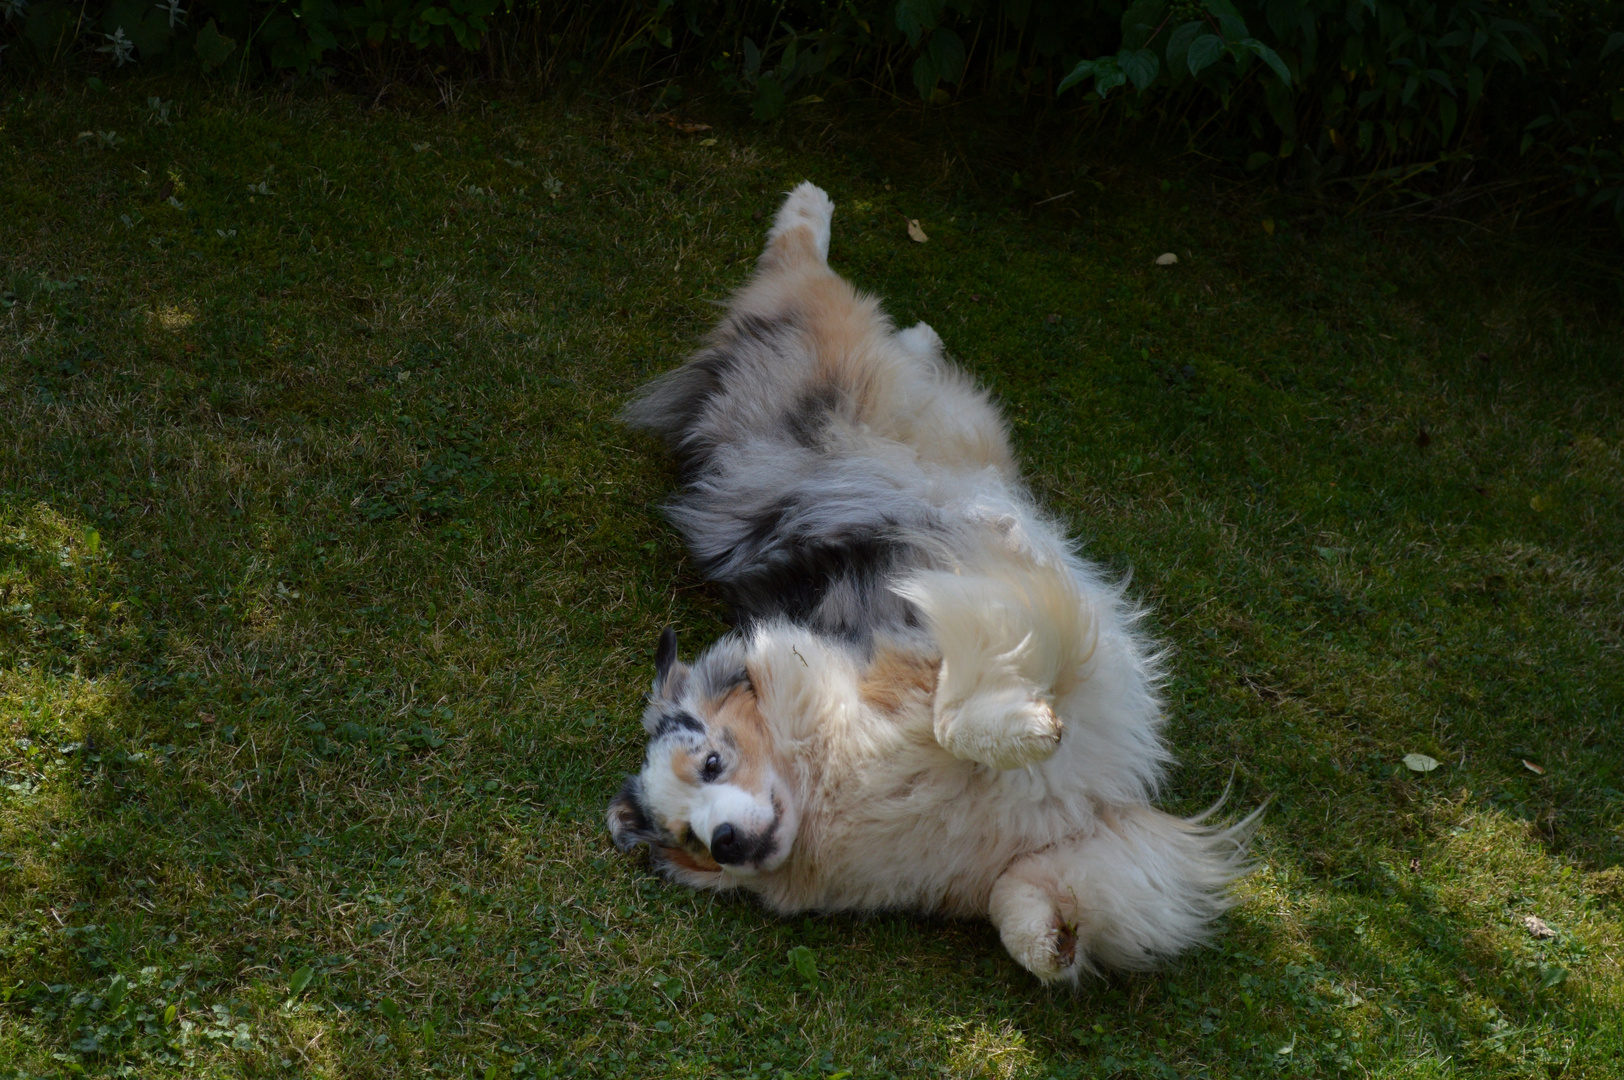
{"x": 1280, "y": 14}
{"x": 1141, "y": 66}
{"x": 1083, "y": 70}
{"x": 1204, "y": 52}
{"x": 914, "y": 17}
{"x": 212, "y": 46}
{"x": 770, "y": 102}
{"x": 391, "y": 1011}
{"x": 804, "y": 964}
{"x": 1229, "y": 19}
{"x": 1178, "y": 46}
{"x": 947, "y": 54}
{"x": 300, "y": 980}
{"x": 1140, "y": 21}
{"x": 1615, "y": 41}
{"x": 1270, "y": 57}
{"x": 1420, "y": 763}
{"x": 116, "y": 990}
{"x": 924, "y": 75}
{"x": 1447, "y": 114}
{"x": 1107, "y": 78}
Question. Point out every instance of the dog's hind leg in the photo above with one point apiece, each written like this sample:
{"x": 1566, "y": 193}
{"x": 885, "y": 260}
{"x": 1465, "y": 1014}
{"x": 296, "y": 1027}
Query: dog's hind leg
{"x": 1143, "y": 887}
{"x": 1031, "y": 920}
{"x": 800, "y": 232}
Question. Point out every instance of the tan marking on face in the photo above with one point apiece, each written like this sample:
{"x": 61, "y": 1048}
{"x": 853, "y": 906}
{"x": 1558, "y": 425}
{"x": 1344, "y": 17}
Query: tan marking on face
{"x": 685, "y": 765}
{"x": 896, "y": 678}
{"x": 740, "y": 731}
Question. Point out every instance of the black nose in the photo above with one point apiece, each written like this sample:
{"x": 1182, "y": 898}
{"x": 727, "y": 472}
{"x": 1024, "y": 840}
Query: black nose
{"x": 725, "y": 844}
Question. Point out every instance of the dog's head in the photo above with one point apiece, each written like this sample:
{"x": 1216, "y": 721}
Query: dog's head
{"x": 713, "y": 793}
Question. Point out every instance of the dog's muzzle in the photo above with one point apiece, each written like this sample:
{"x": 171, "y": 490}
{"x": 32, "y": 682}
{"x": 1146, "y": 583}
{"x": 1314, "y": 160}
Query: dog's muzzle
{"x": 731, "y": 847}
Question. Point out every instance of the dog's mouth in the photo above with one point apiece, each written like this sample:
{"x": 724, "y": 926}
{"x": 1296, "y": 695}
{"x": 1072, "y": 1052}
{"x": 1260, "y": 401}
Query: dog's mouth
{"x": 695, "y": 849}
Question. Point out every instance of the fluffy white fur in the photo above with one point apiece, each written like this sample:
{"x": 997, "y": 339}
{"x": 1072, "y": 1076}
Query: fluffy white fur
{"x": 932, "y": 701}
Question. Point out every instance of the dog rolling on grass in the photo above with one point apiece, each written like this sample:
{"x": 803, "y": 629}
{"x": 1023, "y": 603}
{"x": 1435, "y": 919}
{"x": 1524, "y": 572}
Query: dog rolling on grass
{"x": 931, "y": 701}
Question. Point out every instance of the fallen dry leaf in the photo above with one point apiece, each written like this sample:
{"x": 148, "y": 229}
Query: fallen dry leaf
{"x": 679, "y": 125}
{"x": 1420, "y": 763}
{"x": 1531, "y": 767}
{"x": 1538, "y": 927}
{"x": 915, "y": 233}
{"x": 1166, "y": 259}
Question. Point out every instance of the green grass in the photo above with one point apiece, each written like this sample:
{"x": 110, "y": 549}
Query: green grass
{"x": 328, "y": 591}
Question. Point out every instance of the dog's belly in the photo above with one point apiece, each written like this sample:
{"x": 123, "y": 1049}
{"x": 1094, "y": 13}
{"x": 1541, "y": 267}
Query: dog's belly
{"x": 927, "y": 832}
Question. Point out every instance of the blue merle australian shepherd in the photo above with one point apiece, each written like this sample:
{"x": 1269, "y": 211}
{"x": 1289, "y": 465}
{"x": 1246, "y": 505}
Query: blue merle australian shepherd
{"x": 931, "y": 701}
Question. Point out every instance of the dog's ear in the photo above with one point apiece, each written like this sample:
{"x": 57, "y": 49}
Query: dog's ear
{"x": 628, "y": 821}
{"x": 670, "y": 674}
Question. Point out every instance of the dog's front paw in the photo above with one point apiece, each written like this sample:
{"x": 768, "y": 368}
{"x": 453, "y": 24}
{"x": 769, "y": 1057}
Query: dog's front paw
{"x": 1003, "y": 731}
{"x": 807, "y": 205}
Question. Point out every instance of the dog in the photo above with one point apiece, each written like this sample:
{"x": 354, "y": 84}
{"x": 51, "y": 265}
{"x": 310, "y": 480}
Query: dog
{"x": 930, "y": 700}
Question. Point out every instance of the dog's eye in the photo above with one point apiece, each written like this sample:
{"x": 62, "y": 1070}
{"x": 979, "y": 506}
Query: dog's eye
{"x": 713, "y": 768}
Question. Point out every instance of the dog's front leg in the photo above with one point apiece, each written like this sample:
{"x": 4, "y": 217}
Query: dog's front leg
{"x": 997, "y": 719}
{"x": 1012, "y": 640}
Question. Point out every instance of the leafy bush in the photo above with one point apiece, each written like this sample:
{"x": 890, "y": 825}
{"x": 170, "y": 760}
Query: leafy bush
{"x": 1392, "y": 87}
{"x": 1368, "y": 93}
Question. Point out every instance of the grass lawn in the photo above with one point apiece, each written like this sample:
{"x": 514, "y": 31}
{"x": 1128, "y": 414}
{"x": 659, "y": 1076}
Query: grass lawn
{"x": 329, "y": 588}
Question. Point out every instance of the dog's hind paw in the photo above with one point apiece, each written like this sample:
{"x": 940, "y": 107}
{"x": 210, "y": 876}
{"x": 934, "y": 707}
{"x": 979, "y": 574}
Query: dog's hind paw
{"x": 807, "y": 205}
{"x": 1034, "y": 932}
